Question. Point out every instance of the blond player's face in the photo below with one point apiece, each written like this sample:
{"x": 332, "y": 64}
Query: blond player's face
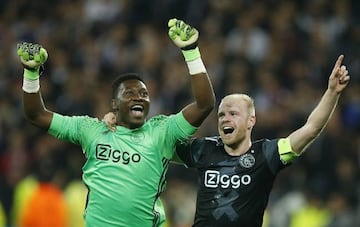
{"x": 233, "y": 120}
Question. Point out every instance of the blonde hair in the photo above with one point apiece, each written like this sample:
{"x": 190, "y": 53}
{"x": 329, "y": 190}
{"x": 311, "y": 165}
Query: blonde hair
{"x": 249, "y": 101}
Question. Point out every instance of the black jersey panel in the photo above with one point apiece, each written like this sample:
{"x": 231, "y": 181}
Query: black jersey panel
{"x": 183, "y": 150}
{"x": 271, "y": 153}
{"x": 233, "y": 190}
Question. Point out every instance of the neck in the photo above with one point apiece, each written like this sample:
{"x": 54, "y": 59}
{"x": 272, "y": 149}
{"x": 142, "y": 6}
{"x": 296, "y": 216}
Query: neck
{"x": 238, "y": 149}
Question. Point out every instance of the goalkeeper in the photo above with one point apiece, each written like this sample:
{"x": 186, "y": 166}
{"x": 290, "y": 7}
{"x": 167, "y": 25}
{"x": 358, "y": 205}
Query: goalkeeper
{"x": 125, "y": 169}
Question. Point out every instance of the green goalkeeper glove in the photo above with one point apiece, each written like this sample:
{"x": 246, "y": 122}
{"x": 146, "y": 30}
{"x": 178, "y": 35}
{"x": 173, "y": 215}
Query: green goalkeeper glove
{"x": 185, "y": 37}
{"x": 32, "y": 56}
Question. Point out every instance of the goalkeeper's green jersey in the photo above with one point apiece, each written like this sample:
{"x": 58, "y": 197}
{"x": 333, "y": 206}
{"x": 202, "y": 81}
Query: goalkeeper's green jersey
{"x": 125, "y": 170}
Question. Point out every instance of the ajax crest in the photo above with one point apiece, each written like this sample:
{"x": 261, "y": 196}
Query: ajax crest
{"x": 247, "y": 160}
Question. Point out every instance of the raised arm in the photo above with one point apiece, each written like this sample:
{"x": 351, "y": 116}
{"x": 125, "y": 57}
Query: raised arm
{"x": 33, "y": 56}
{"x": 185, "y": 37}
{"x": 317, "y": 120}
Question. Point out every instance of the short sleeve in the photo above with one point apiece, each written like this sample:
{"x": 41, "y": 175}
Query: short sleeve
{"x": 65, "y": 128}
{"x": 184, "y": 125}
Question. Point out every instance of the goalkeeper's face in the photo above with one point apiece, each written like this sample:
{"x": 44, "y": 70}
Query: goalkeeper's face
{"x": 132, "y": 103}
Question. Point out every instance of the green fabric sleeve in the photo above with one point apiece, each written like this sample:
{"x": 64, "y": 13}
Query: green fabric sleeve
{"x": 185, "y": 125}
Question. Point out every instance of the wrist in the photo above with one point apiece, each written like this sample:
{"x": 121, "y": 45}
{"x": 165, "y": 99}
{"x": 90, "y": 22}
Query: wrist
{"x": 332, "y": 92}
{"x": 30, "y": 85}
{"x": 31, "y": 74}
{"x": 196, "y": 66}
{"x": 191, "y": 55}
{"x": 190, "y": 47}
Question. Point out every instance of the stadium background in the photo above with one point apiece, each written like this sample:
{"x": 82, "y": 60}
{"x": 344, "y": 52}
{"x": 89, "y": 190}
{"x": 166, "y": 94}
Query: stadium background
{"x": 279, "y": 52}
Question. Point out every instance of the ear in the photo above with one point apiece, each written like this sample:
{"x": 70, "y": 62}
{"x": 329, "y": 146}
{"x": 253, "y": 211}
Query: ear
{"x": 251, "y": 121}
{"x": 114, "y": 104}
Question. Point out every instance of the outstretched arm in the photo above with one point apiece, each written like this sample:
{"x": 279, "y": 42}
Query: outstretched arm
{"x": 185, "y": 37}
{"x": 33, "y": 56}
{"x": 317, "y": 120}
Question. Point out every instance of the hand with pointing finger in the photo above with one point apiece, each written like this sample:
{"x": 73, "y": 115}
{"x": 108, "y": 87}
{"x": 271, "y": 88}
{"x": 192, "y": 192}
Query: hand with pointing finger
{"x": 339, "y": 77}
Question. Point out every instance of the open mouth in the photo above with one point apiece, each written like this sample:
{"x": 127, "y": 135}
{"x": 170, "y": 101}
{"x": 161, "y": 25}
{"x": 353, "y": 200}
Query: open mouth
{"x": 137, "y": 110}
{"x": 228, "y": 130}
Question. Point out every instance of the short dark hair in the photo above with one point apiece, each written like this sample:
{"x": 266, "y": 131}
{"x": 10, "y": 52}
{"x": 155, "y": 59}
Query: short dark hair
{"x": 124, "y": 77}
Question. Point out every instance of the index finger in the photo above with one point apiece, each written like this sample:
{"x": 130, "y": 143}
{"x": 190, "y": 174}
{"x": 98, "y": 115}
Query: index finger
{"x": 338, "y": 62}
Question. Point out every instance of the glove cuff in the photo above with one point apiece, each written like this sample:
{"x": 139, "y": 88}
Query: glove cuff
{"x": 31, "y": 74}
{"x": 191, "y": 55}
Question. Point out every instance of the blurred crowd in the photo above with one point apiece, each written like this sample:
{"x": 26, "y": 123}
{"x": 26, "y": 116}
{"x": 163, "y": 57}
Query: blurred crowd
{"x": 279, "y": 52}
